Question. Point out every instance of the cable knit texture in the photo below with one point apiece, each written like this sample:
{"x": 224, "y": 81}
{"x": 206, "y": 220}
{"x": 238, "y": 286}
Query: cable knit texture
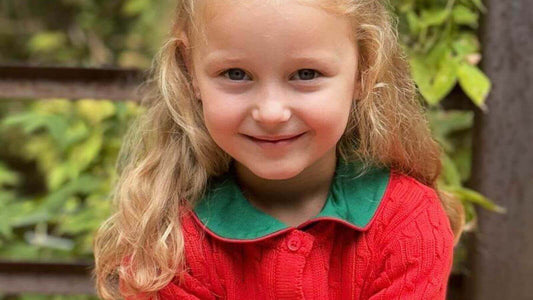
{"x": 405, "y": 252}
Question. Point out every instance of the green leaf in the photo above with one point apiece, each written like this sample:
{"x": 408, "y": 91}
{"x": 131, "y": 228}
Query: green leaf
{"x": 44, "y": 150}
{"x": 85, "y": 184}
{"x": 463, "y": 159}
{"x": 134, "y": 7}
{"x": 31, "y": 121}
{"x": 23, "y": 212}
{"x": 439, "y": 52}
{"x": 474, "y": 197}
{"x": 76, "y": 132}
{"x": 8, "y": 177}
{"x": 18, "y": 250}
{"x": 79, "y": 223}
{"x": 57, "y": 106}
{"x": 475, "y": 84}
{"x": 6, "y": 199}
{"x": 450, "y": 173}
{"x": 464, "y": 16}
{"x": 405, "y": 5}
{"x": 434, "y": 82}
{"x": 479, "y": 5}
{"x": 58, "y": 175}
{"x": 413, "y": 22}
{"x": 47, "y": 41}
{"x": 95, "y": 111}
{"x": 450, "y": 121}
{"x": 121, "y": 110}
{"x": 421, "y": 75}
{"x": 83, "y": 154}
{"x": 445, "y": 126}
{"x": 31, "y": 218}
{"x": 466, "y": 43}
{"x": 434, "y": 16}
{"x": 470, "y": 211}
{"x": 444, "y": 80}
{"x": 21, "y": 119}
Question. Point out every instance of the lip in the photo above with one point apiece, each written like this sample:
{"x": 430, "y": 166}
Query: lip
{"x": 275, "y": 143}
{"x": 277, "y": 138}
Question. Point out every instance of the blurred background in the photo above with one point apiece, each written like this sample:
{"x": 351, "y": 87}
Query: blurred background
{"x": 68, "y": 76}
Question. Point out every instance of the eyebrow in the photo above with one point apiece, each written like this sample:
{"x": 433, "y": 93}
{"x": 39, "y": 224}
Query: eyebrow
{"x": 322, "y": 59}
{"x": 325, "y": 59}
{"x": 222, "y": 56}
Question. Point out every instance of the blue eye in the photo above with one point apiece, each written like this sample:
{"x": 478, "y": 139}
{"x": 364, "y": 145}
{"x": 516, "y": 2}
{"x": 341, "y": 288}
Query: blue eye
{"x": 234, "y": 74}
{"x": 307, "y": 74}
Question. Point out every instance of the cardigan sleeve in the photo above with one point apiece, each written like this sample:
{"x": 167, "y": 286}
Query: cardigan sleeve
{"x": 189, "y": 289}
{"x": 417, "y": 258}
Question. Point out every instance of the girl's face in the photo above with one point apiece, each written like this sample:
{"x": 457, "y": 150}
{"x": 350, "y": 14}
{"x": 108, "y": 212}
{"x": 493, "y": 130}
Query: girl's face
{"x": 276, "y": 83}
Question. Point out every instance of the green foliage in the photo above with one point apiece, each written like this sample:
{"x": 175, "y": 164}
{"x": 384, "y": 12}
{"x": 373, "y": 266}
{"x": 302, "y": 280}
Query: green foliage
{"x": 89, "y": 33}
{"x": 475, "y": 84}
{"x": 7, "y": 199}
{"x": 74, "y": 145}
{"x": 452, "y": 130}
{"x": 439, "y": 37}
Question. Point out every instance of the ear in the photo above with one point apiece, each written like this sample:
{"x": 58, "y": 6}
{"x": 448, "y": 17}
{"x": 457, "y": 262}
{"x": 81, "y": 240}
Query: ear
{"x": 184, "y": 50}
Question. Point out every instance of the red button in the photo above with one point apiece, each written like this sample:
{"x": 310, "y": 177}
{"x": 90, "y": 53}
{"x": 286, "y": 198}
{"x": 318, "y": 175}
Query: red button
{"x": 294, "y": 243}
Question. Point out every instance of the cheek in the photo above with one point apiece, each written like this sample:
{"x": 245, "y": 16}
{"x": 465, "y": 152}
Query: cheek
{"x": 222, "y": 116}
{"x": 327, "y": 114}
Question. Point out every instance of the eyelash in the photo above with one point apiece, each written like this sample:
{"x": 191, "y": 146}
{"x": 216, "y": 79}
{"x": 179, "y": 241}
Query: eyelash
{"x": 224, "y": 73}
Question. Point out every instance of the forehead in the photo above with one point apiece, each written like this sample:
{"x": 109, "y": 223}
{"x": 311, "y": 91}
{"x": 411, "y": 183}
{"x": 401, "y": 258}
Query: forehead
{"x": 289, "y": 24}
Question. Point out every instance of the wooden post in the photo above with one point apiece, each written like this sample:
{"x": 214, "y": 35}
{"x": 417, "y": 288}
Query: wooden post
{"x": 501, "y": 253}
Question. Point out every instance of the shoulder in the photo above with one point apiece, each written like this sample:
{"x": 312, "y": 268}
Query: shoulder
{"x": 197, "y": 246}
{"x": 413, "y": 242}
{"x": 408, "y": 202}
{"x": 196, "y": 242}
{"x": 200, "y": 253}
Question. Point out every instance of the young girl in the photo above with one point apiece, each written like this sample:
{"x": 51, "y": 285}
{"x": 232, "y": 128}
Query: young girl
{"x": 283, "y": 155}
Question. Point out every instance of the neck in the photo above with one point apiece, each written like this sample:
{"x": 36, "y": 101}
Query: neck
{"x": 304, "y": 194}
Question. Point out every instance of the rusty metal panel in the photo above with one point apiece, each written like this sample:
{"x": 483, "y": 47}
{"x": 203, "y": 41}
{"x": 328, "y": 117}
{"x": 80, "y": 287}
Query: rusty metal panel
{"x": 45, "y": 278}
{"x": 69, "y": 82}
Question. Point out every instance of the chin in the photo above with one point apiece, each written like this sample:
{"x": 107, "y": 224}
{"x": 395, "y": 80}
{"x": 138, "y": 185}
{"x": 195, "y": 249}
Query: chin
{"x": 273, "y": 172}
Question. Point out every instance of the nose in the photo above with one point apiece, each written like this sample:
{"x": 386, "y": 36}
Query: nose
{"x": 271, "y": 111}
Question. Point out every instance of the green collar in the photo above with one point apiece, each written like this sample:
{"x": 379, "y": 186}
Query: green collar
{"x": 352, "y": 200}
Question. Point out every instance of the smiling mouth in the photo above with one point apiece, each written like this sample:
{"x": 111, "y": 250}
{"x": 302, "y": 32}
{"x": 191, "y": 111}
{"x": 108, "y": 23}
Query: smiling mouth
{"x": 274, "y": 139}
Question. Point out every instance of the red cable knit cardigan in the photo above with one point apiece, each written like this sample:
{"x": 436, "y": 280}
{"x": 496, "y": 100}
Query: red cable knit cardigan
{"x": 380, "y": 236}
